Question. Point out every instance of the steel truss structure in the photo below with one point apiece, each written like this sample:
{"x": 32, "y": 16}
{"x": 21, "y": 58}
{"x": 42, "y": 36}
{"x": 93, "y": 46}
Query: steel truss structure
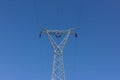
{"x": 58, "y": 63}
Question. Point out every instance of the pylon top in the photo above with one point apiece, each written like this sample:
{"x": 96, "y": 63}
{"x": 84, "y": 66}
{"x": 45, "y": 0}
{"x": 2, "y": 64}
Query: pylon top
{"x": 58, "y": 64}
{"x": 58, "y": 33}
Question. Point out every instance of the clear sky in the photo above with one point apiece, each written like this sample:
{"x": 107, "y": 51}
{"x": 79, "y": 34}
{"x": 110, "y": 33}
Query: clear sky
{"x": 95, "y": 55}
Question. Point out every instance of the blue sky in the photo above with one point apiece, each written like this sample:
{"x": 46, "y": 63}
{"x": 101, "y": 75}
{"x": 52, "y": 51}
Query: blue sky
{"x": 95, "y": 55}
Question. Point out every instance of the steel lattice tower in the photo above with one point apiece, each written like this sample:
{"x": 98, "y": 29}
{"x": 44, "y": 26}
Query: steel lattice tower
{"x": 58, "y": 63}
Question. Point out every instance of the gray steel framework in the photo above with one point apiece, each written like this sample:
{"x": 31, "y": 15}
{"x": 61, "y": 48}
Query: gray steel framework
{"x": 58, "y": 63}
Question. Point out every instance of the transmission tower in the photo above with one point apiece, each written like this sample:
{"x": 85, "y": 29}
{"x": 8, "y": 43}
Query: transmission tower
{"x": 58, "y": 63}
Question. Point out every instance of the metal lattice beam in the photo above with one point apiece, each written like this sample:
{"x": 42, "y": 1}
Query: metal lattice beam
{"x": 58, "y": 63}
